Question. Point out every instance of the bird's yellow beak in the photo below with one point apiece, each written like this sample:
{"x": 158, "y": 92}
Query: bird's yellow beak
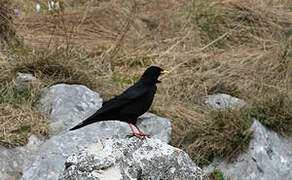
{"x": 164, "y": 72}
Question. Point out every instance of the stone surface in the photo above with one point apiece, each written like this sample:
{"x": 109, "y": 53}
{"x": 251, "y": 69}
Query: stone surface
{"x": 67, "y": 105}
{"x": 221, "y": 101}
{"x": 48, "y": 161}
{"x": 130, "y": 158}
{"x": 269, "y": 157}
{"x": 23, "y": 80}
{"x": 13, "y": 160}
{"x": 10, "y": 163}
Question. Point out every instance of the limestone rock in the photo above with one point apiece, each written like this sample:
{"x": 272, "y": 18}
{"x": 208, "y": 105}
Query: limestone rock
{"x": 11, "y": 163}
{"x": 221, "y": 101}
{"x": 131, "y": 158}
{"x": 24, "y": 80}
{"x": 68, "y": 105}
{"x": 269, "y": 157}
{"x": 48, "y": 161}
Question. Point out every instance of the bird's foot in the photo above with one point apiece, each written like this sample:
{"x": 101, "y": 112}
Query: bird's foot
{"x": 135, "y": 134}
{"x": 142, "y": 134}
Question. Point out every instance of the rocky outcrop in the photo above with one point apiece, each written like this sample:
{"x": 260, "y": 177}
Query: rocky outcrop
{"x": 131, "y": 158}
{"x": 67, "y": 105}
{"x": 48, "y": 161}
{"x": 268, "y": 157}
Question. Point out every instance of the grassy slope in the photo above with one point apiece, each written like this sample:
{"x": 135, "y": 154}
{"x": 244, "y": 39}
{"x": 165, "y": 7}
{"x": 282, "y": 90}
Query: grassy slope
{"x": 239, "y": 47}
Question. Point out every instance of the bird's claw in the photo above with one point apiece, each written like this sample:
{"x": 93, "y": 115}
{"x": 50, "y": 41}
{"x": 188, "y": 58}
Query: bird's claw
{"x": 140, "y": 135}
{"x": 135, "y": 134}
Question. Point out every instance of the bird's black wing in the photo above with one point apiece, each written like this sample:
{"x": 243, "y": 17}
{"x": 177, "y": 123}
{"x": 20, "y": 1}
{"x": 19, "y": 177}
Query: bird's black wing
{"x": 131, "y": 95}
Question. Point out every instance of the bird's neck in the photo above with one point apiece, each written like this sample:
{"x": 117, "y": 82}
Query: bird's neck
{"x": 149, "y": 81}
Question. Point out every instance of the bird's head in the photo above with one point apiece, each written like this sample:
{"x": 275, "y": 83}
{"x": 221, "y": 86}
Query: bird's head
{"x": 152, "y": 73}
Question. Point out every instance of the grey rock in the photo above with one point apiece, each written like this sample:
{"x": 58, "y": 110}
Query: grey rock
{"x": 269, "y": 157}
{"x": 11, "y": 163}
{"x": 130, "y": 158}
{"x": 67, "y": 105}
{"x": 222, "y": 101}
{"x": 33, "y": 144}
{"x": 24, "y": 80}
{"x": 13, "y": 160}
{"x": 11, "y": 60}
{"x": 48, "y": 161}
{"x": 157, "y": 127}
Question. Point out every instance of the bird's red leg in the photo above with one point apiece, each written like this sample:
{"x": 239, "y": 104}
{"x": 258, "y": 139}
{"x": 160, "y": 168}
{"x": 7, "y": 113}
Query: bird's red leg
{"x": 134, "y": 134}
{"x": 140, "y": 132}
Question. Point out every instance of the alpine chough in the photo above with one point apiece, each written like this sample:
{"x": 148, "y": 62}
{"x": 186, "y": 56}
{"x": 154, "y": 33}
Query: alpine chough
{"x": 131, "y": 104}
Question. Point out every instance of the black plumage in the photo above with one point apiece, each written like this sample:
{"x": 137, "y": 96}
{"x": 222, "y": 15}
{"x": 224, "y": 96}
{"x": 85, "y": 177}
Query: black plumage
{"x": 131, "y": 104}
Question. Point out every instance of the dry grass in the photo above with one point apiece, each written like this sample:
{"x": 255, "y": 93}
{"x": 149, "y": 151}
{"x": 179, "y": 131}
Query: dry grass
{"x": 7, "y": 31}
{"x": 54, "y": 66}
{"x": 239, "y": 47}
{"x": 274, "y": 111}
{"x": 222, "y": 134}
{"x": 17, "y": 124}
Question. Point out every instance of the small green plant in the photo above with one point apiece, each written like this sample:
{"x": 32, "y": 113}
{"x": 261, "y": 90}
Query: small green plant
{"x": 217, "y": 174}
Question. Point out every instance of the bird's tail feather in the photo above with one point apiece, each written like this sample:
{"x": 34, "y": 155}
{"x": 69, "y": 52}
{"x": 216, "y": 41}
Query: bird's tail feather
{"x": 78, "y": 126}
{"x": 86, "y": 122}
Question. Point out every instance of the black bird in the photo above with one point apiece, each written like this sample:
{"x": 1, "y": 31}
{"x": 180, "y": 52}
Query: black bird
{"x": 131, "y": 104}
